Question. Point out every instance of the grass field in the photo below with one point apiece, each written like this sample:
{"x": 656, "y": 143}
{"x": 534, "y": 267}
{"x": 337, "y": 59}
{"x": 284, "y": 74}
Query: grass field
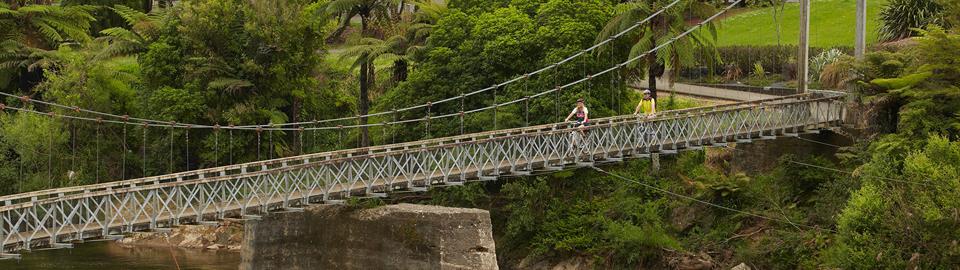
{"x": 832, "y": 23}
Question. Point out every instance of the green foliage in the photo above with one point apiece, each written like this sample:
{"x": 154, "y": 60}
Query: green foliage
{"x": 359, "y": 203}
{"x": 926, "y": 92}
{"x": 839, "y": 74}
{"x": 680, "y": 53}
{"x": 46, "y": 26}
{"x": 588, "y": 213}
{"x": 902, "y": 82}
{"x": 951, "y": 12}
{"x": 480, "y": 6}
{"x": 819, "y": 62}
{"x": 30, "y": 32}
{"x": 470, "y": 51}
{"x": 144, "y": 28}
{"x": 776, "y": 60}
{"x": 469, "y": 195}
{"x": 886, "y": 223}
{"x": 34, "y": 154}
{"x": 898, "y": 224}
{"x": 106, "y": 18}
{"x": 900, "y": 17}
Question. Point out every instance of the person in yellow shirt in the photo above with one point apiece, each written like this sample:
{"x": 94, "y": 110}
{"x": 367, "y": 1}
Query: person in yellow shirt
{"x": 648, "y": 105}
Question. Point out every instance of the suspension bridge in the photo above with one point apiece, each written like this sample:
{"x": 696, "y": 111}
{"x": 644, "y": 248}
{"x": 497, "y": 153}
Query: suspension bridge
{"x": 58, "y": 218}
{"x": 55, "y": 218}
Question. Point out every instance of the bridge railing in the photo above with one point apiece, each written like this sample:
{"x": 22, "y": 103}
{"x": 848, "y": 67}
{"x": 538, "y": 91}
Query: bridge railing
{"x": 43, "y": 195}
{"x": 285, "y": 183}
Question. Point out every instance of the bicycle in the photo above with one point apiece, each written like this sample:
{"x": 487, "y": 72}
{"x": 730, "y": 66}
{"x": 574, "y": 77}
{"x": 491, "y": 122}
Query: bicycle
{"x": 577, "y": 134}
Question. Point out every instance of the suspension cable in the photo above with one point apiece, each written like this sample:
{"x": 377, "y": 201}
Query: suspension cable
{"x": 98, "y": 154}
{"x": 187, "y": 146}
{"x": 143, "y": 150}
{"x": 123, "y": 156}
{"x": 216, "y": 146}
{"x": 170, "y": 162}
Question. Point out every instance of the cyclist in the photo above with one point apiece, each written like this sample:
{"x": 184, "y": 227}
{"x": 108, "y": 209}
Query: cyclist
{"x": 648, "y": 105}
{"x": 580, "y": 114}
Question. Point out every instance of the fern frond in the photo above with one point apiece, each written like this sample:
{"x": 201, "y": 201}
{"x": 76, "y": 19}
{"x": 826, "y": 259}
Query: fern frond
{"x": 229, "y": 84}
{"x": 131, "y": 16}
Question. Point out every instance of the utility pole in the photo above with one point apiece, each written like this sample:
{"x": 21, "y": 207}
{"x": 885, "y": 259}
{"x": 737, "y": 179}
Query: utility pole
{"x": 803, "y": 56}
{"x": 861, "y": 44}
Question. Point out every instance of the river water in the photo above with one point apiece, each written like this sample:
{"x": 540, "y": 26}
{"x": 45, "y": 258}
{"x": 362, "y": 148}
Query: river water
{"x": 109, "y": 256}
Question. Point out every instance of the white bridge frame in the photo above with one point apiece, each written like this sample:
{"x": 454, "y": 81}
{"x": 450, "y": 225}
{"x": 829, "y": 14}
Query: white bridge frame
{"x": 58, "y": 217}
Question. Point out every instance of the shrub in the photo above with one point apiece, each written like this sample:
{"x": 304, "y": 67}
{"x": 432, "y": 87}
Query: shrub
{"x": 838, "y": 74}
{"x": 776, "y": 60}
{"x": 900, "y": 17}
{"x": 823, "y": 59}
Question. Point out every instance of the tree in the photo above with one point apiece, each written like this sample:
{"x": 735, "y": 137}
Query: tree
{"x": 470, "y": 51}
{"x": 248, "y": 62}
{"x": 29, "y": 32}
{"x": 907, "y": 201}
{"x": 346, "y": 10}
{"x": 367, "y": 10}
{"x": 107, "y": 18}
{"x": 143, "y": 30}
{"x": 661, "y": 29}
{"x": 901, "y": 224}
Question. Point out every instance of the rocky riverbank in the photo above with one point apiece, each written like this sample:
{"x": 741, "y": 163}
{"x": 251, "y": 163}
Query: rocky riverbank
{"x": 228, "y": 235}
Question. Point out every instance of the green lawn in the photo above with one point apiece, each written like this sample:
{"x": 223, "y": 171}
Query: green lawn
{"x": 832, "y": 23}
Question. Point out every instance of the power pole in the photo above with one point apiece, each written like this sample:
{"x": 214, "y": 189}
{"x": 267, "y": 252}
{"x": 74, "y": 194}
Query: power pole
{"x": 861, "y": 46}
{"x": 803, "y": 56}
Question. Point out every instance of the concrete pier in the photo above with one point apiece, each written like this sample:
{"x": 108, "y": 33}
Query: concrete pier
{"x": 403, "y": 236}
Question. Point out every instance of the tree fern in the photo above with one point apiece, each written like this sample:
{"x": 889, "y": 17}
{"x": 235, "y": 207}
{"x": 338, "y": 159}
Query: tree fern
{"x": 143, "y": 29}
{"x": 30, "y": 32}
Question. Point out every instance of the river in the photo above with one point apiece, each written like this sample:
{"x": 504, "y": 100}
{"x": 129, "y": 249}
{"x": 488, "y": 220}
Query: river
{"x": 110, "y": 256}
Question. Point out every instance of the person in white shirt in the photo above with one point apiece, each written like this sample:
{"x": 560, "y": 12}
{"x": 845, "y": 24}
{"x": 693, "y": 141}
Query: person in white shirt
{"x": 580, "y": 114}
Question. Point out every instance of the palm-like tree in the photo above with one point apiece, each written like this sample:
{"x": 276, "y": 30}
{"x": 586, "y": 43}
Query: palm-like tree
{"x": 661, "y": 29}
{"x": 368, "y": 10}
{"x": 405, "y": 46}
{"x": 144, "y": 29}
{"x": 28, "y": 33}
{"x": 45, "y": 26}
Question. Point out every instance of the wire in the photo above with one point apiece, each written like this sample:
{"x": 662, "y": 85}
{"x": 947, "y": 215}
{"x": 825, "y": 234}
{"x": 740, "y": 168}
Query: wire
{"x": 845, "y": 172}
{"x": 866, "y": 176}
{"x": 170, "y": 248}
{"x": 818, "y": 142}
{"x": 709, "y": 203}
